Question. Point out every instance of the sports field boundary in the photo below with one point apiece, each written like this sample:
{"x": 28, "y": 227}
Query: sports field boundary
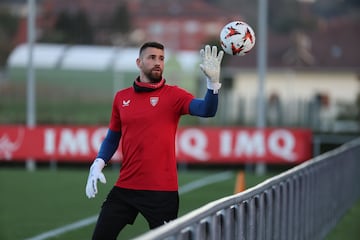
{"x": 304, "y": 202}
{"x": 218, "y": 177}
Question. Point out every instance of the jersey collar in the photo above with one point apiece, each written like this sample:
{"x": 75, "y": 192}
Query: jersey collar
{"x": 147, "y": 87}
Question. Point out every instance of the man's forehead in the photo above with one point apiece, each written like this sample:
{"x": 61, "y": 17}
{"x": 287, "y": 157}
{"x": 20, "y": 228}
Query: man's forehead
{"x": 153, "y": 51}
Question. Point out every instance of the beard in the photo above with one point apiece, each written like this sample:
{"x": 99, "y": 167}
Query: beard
{"x": 153, "y": 76}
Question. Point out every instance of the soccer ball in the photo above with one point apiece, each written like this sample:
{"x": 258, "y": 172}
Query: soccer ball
{"x": 237, "y": 38}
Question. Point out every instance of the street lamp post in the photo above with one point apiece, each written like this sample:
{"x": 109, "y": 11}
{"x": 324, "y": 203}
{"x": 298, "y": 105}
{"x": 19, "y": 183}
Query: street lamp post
{"x": 262, "y": 66}
{"x": 30, "y": 89}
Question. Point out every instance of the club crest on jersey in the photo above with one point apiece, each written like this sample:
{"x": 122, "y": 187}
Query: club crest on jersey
{"x": 154, "y": 101}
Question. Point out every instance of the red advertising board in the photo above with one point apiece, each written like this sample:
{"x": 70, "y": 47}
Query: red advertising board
{"x": 193, "y": 144}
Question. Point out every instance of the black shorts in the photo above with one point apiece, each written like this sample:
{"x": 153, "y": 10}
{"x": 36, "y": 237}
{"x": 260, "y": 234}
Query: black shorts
{"x": 123, "y": 205}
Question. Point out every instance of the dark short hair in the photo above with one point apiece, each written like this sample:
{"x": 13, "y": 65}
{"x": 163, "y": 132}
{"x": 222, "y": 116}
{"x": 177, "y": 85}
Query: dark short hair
{"x": 152, "y": 45}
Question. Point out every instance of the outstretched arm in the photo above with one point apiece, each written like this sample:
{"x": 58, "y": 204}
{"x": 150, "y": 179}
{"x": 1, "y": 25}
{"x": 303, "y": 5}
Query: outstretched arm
{"x": 210, "y": 65}
{"x": 206, "y": 107}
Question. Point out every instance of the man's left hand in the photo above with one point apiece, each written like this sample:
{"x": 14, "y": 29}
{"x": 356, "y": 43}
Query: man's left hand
{"x": 210, "y": 65}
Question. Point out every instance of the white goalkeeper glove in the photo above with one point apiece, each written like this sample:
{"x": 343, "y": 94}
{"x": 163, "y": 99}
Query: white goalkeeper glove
{"x": 95, "y": 174}
{"x": 210, "y": 65}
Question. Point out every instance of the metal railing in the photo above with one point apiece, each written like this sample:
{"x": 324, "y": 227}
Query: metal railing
{"x": 305, "y": 202}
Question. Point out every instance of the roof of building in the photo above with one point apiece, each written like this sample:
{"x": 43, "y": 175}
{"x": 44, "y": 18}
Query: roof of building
{"x": 334, "y": 46}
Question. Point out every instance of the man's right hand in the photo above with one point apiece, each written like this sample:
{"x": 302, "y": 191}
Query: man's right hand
{"x": 95, "y": 174}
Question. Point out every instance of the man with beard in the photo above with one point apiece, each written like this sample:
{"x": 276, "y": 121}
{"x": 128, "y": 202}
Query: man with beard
{"x": 145, "y": 117}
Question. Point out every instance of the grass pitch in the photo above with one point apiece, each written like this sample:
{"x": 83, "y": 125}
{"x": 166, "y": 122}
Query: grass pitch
{"x": 32, "y": 203}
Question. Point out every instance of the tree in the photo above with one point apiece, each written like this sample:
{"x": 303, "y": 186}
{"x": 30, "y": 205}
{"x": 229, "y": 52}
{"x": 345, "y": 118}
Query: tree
{"x": 289, "y": 16}
{"x": 121, "y": 21}
{"x": 8, "y": 27}
{"x": 120, "y": 25}
{"x": 329, "y": 9}
{"x": 70, "y": 28}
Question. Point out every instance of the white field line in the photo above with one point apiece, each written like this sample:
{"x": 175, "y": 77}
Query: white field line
{"x": 90, "y": 220}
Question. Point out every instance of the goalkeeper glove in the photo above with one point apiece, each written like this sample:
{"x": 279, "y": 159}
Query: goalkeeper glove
{"x": 210, "y": 65}
{"x": 95, "y": 174}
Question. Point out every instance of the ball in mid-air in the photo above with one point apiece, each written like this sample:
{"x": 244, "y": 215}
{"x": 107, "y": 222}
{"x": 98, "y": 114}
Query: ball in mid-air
{"x": 237, "y": 38}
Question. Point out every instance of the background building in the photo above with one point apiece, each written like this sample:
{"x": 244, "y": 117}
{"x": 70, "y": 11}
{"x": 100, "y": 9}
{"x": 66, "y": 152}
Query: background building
{"x": 312, "y": 56}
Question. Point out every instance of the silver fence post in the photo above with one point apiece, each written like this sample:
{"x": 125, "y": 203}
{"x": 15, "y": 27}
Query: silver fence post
{"x": 242, "y": 209}
{"x": 291, "y": 208}
{"x": 260, "y": 226}
{"x": 277, "y": 211}
{"x": 229, "y": 224}
{"x": 296, "y": 216}
{"x": 269, "y": 213}
{"x": 251, "y": 220}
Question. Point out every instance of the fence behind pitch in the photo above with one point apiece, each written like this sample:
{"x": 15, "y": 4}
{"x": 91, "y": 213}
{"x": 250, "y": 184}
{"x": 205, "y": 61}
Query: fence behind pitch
{"x": 305, "y": 202}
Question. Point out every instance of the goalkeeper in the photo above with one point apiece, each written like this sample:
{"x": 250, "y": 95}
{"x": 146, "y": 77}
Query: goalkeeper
{"x": 145, "y": 117}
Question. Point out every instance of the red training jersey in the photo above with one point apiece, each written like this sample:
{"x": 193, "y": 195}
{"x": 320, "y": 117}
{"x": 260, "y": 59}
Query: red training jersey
{"x": 148, "y": 122}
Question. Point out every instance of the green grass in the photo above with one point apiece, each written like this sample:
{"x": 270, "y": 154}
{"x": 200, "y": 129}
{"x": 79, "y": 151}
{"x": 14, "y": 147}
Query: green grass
{"x": 349, "y": 226}
{"x": 35, "y": 202}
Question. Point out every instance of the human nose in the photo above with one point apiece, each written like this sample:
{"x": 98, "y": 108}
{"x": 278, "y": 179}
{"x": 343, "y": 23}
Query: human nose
{"x": 158, "y": 61}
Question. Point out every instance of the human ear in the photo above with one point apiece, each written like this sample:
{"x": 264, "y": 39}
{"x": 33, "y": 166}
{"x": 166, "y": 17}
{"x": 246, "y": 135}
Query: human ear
{"x": 138, "y": 61}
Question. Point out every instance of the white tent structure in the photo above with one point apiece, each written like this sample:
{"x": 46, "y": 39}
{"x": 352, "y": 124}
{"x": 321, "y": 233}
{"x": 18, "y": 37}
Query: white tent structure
{"x": 89, "y": 58}
{"x": 99, "y": 68}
